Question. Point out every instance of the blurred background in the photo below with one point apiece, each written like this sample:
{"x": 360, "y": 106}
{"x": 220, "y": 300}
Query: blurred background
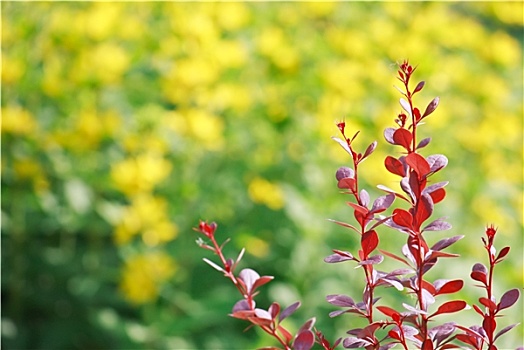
{"x": 123, "y": 124}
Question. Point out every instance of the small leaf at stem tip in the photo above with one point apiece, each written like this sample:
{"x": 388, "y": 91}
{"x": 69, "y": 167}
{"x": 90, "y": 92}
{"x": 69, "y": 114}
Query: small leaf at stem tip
{"x": 370, "y": 149}
{"x": 503, "y": 252}
{"x": 508, "y": 299}
{"x": 405, "y": 105}
{"x": 431, "y": 107}
{"x": 343, "y": 144}
{"x": 419, "y": 86}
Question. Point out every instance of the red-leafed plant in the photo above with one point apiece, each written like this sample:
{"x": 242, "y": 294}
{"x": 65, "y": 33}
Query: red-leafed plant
{"x": 415, "y": 325}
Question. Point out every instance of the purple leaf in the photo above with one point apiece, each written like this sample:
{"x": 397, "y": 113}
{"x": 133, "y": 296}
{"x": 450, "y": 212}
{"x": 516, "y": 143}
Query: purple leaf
{"x": 364, "y": 198}
{"x": 249, "y": 277}
{"x": 261, "y": 313}
{"x": 344, "y": 172}
{"x": 478, "y": 267}
{"x": 388, "y": 135}
{"x": 372, "y": 260}
{"x": 431, "y": 107}
{"x": 353, "y": 343}
{"x": 404, "y": 184}
{"x": 419, "y": 87}
{"x": 289, "y": 311}
{"x": 437, "y": 162}
{"x": 446, "y": 242}
{"x": 339, "y": 256}
{"x": 345, "y": 225}
{"x": 437, "y": 225}
{"x": 423, "y": 143}
{"x": 434, "y": 187}
{"x": 340, "y": 300}
{"x": 505, "y": 330}
{"x": 242, "y": 305}
{"x": 343, "y": 144}
{"x": 442, "y": 332}
{"x": 307, "y": 325}
{"x": 509, "y": 298}
{"x": 382, "y": 203}
{"x": 370, "y": 149}
{"x": 337, "y": 313}
{"x": 304, "y": 340}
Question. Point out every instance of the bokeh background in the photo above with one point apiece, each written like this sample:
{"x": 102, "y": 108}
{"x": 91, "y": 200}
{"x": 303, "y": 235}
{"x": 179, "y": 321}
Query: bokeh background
{"x": 123, "y": 124}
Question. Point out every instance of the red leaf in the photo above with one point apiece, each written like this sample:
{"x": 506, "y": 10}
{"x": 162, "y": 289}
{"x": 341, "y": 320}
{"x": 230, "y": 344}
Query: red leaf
{"x": 424, "y": 209}
{"x": 359, "y": 208}
{"x": 285, "y": 333}
{"x": 488, "y": 303}
{"x": 403, "y": 138}
{"x": 394, "y": 166}
{"x": 451, "y": 287}
{"x": 369, "y": 241}
{"x": 418, "y": 163}
{"x": 387, "y": 311}
{"x": 402, "y": 218}
{"x": 503, "y": 252}
{"x": 416, "y": 113}
{"x": 479, "y": 276}
{"x": 304, "y": 340}
{"x": 419, "y": 87}
{"x": 394, "y": 334}
{"x": 438, "y": 195}
{"x": 450, "y": 307}
{"x": 489, "y": 325}
{"x": 431, "y": 107}
{"x": 348, "y": 183}
{"x": 478, "y": 310}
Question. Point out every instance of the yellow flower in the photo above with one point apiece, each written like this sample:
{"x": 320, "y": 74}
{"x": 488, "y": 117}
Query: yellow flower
{"x": 205, "y": 127}
{"x": 232, "y": 15}
{"x": 147, "y": 215}
{"x": 267, "y": 193}
{"x": 12, "y": 69}
{"x": 144, "y": 274}
{"x": 140, "y": 174}
{"x": 18, "y": 121}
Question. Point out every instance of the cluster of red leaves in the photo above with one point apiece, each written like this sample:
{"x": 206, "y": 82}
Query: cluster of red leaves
{"x": 408, "y": 327}
{"x": 247, "y": 283}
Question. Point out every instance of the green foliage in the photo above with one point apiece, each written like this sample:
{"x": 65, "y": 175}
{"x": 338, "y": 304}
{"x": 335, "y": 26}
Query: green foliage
{"x": 125, "y": 123}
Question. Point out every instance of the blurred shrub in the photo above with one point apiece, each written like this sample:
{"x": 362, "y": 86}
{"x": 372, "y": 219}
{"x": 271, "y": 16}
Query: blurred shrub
{"x": 124, "y": 123}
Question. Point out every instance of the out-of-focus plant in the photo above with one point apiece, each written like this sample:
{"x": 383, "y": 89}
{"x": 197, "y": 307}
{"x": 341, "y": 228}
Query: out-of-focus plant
{"x": 411, "y": 325}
